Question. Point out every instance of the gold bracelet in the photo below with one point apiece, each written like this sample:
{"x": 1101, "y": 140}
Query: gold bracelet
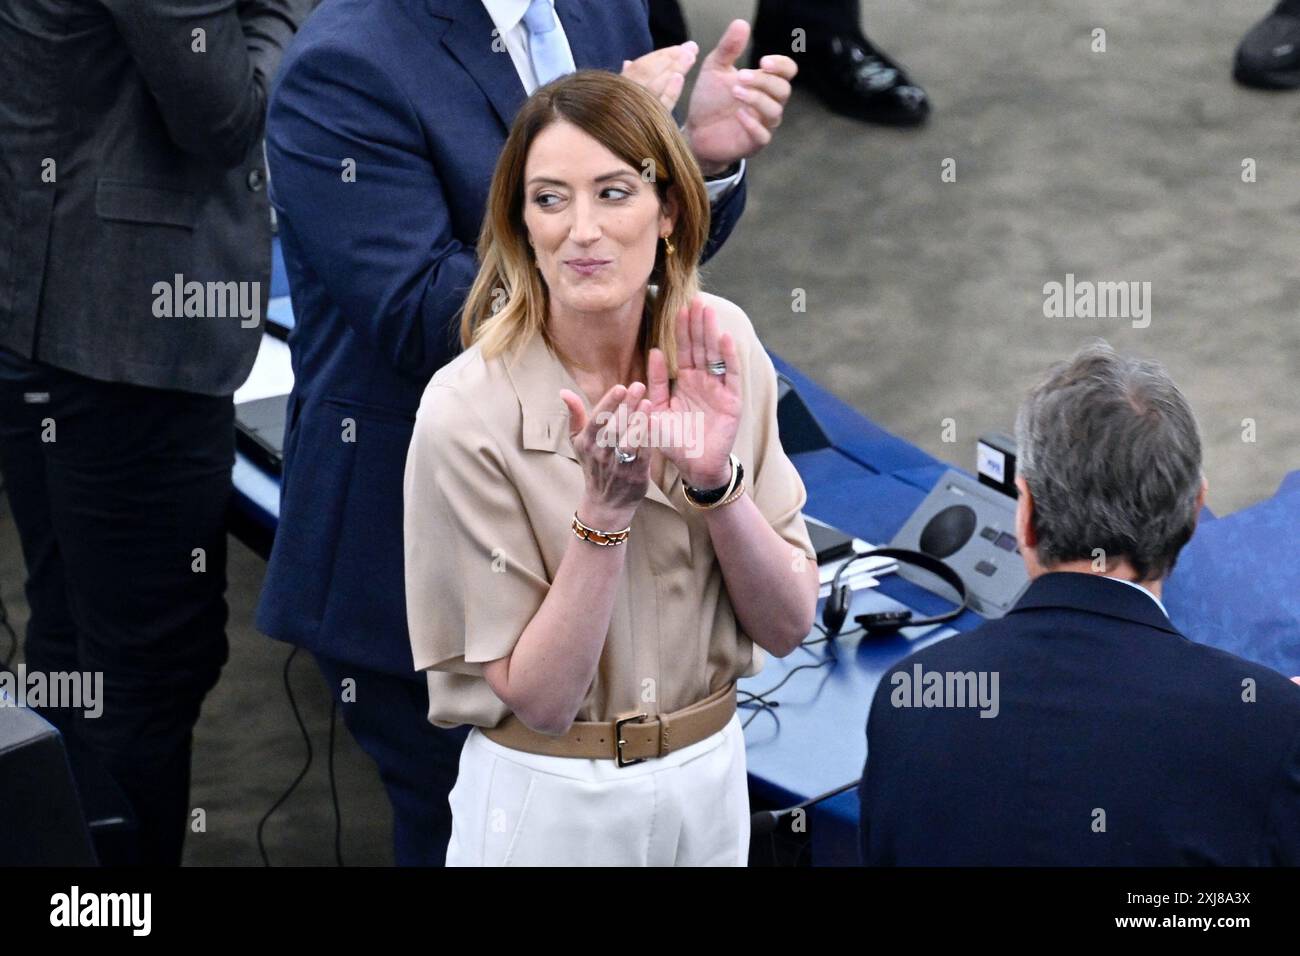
{"x": 740, "y": 490}
{"x": 606, "y": 539}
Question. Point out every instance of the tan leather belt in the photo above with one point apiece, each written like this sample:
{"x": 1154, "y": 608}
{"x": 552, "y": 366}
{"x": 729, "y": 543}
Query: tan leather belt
{"x": 627, "y": 740}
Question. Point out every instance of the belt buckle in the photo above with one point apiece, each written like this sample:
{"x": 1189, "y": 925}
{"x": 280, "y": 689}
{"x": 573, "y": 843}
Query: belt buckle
{"x": 619, "y": 741}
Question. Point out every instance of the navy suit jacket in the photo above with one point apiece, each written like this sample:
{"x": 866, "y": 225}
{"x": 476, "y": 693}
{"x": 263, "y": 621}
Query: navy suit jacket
{"x": 411, "y": 95}
{"x": 1107, "y": 716}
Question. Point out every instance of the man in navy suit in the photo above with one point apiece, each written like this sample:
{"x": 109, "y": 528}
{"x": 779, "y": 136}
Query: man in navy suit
{"x": 382, "y": 136}
{"x": 1082, "y": 728}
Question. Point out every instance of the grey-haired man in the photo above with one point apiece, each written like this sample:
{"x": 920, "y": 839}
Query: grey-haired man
{"x": 1114, "y": 739}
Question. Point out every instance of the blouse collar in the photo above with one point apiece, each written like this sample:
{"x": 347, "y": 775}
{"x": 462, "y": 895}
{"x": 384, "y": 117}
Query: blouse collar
{"x": 537, "y": 376}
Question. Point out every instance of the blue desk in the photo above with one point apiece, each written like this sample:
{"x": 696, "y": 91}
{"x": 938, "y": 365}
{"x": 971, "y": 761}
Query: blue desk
{"x": 1236, "y": 587}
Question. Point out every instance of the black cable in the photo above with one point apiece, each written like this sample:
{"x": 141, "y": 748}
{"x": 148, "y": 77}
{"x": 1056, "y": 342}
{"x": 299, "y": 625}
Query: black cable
{"x": 791, "y": 673}
{"x": 293, "y": 704}
{"x": 817, "y": 640}
{"x": 769, "y": 821}
{"x": 334, "y": 789}
{"x": 761, "y": 696}
{"x": 826, "y": 636}
{"x": 763, "y": 706}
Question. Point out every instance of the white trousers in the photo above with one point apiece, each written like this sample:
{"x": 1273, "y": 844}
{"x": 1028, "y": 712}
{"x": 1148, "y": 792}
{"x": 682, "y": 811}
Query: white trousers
{"x": 690, "y": 808}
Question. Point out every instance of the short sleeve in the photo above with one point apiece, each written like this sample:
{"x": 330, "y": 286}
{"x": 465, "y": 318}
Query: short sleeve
{"x": 775, "y": 485}
{"x": 474, "y": 572}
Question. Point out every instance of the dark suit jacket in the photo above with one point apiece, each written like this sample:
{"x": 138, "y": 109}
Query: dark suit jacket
{"x": 156, "y": 171}
{"x": 412, "y": 91}
{"x": 1104, "y": 708}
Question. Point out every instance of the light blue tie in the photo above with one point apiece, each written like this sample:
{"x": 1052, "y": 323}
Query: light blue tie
{"x": 546, "y": 47}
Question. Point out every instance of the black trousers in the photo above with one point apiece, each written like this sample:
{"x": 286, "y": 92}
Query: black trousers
{"x": 119, "y": 494}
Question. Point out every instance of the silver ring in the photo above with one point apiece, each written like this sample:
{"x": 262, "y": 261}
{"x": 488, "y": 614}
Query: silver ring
{"x": 625, "y": 457}
{"x": 718, "y": 368}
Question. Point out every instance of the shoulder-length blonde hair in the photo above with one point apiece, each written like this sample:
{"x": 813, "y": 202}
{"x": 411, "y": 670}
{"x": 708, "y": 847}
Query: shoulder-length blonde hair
{"x": 508, "y": 300}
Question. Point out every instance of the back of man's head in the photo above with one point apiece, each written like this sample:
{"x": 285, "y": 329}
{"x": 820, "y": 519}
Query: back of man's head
{"x": 1110, "y": 452}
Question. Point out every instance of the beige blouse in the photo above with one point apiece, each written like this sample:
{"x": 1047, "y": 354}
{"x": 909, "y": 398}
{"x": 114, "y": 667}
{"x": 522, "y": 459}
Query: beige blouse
{"x": 491, "y": 485}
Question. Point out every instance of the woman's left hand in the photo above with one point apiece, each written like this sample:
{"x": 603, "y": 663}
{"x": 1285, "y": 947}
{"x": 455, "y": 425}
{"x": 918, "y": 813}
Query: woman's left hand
{"x": 701, "y": 409}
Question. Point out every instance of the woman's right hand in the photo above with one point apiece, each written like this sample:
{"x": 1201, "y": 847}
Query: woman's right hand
{"x": 613, "y": 489}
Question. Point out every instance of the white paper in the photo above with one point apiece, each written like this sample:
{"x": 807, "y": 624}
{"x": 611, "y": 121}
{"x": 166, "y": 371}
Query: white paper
{"x": 272, "y": 372}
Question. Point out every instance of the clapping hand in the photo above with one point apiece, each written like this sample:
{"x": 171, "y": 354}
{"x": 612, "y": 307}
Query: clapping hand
{"x": 614, "y": 488}
{"x": 732, "y": 112}
{"x": 713, "y": 402}
{"x": 663, "y": 72}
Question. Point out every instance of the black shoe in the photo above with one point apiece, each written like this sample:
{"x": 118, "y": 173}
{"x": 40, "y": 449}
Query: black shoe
{"x": 850, "y": 76}
{"x": 1269, "y": 55}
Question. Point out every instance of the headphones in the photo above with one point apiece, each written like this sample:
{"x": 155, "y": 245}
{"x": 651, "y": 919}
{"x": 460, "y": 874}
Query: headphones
{"x": 888, "y": 622}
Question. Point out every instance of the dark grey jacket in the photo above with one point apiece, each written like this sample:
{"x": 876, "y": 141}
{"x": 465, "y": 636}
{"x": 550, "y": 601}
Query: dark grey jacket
{"x": 130, "y": 154}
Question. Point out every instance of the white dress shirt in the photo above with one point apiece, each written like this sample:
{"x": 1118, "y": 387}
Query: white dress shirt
{"x": 508, "y": 18}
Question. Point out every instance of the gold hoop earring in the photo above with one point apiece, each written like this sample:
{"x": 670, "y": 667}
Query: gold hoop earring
{"x": 669, "y": 248}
